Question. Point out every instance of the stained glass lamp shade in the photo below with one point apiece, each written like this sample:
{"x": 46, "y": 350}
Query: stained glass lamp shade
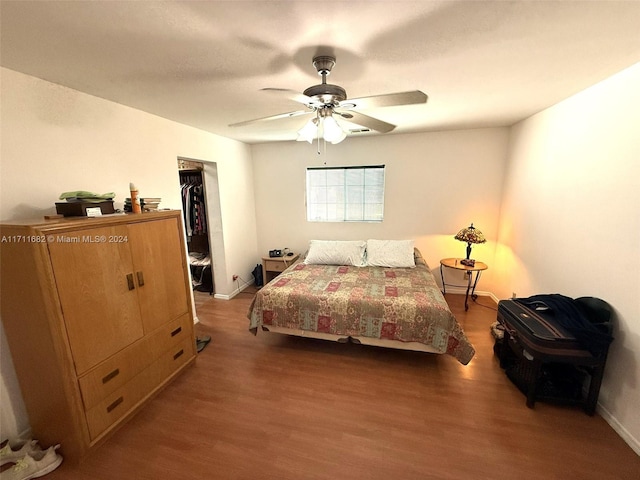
{"x": 470, "y": 235}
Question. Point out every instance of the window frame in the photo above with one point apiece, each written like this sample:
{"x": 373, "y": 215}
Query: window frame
{"x": 347, "y": 194}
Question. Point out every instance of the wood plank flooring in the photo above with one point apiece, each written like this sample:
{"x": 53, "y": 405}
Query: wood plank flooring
{"x": 279, "y": 407}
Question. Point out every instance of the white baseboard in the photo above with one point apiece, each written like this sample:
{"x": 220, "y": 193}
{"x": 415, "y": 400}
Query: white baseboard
{"x": 24, "y": 435}
{"x": 630, "y": 440}
{"x": 462, "y": 290}
{"x": 457, "y": 290}
{"x": 234, "y": 293}
{"x": 490, "y": 295}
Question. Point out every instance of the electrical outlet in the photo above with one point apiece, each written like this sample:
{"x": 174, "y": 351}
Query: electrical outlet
{"x": 514, "y": 295}
{"x": 234, "y": 278}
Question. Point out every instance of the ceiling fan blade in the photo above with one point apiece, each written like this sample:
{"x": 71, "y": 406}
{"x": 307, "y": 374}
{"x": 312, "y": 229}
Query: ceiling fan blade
{"x": 344, "y": 114}
{"x": 272, "y": 117}
{"x": 295, "y": 96}
{"x": 370, "y": 122}
{"x": 388, "y": 100}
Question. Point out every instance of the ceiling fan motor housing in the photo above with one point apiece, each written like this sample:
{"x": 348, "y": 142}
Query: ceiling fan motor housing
{"x": 324, "y": 64}
{"x": 327, "y": 94}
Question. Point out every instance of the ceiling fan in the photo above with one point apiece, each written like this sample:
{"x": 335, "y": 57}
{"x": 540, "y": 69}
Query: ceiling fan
{"x": 324, "y": 101}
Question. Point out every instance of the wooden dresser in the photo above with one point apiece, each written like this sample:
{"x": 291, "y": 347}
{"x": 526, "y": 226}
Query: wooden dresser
{"x": 98, "y": 318}
{"x": 274, "y": 266}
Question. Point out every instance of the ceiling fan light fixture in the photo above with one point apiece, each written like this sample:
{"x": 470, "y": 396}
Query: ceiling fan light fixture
{"x": 308, "y": 132}
{"x": 331, "y": 131}
{"x": 342, "y": 136}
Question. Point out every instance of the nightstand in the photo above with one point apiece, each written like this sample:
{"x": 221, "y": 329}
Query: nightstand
{"x": 456, "y": 265}
{"x": 274, "y": 266}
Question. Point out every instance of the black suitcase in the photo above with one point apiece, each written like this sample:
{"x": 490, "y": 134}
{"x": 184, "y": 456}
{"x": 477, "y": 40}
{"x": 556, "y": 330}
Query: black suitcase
{"x": 543, "y": 328}
{"x": 546, "y": 361}
{"x": 536, "y": 326}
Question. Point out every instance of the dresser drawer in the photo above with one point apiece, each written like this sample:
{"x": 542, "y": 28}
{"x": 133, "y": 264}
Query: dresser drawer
{"x": 124, "y": 399}
{"x": 275, "y": 266}
{"x": 122, "y": 367}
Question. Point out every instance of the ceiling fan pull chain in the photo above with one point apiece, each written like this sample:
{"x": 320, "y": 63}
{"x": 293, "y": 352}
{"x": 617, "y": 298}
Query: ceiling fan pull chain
{"x": 318, "y": 131}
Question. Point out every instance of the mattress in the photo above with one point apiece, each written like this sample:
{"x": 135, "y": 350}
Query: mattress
{"x": 391, "y": 307}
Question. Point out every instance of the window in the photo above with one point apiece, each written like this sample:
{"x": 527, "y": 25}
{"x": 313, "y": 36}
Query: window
{"x": 345, "y": 194}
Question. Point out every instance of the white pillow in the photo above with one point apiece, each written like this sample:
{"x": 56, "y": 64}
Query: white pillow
{"x": 336, "y": 252}
{"x": 390, "y": 253}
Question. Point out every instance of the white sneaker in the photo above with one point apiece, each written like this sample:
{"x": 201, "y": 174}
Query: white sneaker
{"x": 33, "y": 466}
{"x": 22, "y": 447}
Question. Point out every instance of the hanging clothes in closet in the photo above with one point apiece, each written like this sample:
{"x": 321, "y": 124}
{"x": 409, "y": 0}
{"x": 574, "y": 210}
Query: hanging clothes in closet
{"x": 193, "y": 203}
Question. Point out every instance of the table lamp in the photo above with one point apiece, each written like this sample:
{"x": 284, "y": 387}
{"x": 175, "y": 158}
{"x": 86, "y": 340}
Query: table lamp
{"x": 470, "y": 235}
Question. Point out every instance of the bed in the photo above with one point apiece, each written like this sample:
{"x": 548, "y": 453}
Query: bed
{"x": 353, "y": 298}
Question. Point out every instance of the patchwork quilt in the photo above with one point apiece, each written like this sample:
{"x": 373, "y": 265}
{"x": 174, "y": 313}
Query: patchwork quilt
{"x": 399, "y": 304}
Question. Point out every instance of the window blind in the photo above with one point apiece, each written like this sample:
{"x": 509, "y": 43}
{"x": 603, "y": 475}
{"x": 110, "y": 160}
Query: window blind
{"x": 345, "y": 194}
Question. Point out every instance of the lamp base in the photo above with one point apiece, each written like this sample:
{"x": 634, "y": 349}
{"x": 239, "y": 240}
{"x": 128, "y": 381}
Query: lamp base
{"x": 468, "y": 262}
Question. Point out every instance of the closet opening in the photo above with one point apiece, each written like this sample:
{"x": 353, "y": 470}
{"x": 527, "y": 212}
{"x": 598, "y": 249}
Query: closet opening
{"x": 196, "y": 223}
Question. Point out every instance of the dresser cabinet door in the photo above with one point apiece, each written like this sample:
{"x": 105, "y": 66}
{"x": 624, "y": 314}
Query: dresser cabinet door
{"x": 159, "y": 271}
{"x": 94, "y": 275}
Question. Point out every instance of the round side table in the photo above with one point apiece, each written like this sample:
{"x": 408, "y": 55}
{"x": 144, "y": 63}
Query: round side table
{"x": 471, "y": 283}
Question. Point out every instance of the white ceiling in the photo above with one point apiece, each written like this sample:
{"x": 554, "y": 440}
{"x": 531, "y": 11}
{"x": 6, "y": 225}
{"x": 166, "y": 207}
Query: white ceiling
{"x": 203, "y": 63}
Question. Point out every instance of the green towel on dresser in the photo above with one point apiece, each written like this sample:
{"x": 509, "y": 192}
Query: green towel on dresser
{"x": 84, "y": 196}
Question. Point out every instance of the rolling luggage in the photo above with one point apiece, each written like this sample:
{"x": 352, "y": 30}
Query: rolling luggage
{"x": 553, "y": 345}
{"x": 536, "y": 325}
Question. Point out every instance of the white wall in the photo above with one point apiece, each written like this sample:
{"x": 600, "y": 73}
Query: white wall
{"x": 569, "y": 215}
{"x": 55, "y": 139}
{"x": 570, "y": 221}
{"x": 436, "y": 184}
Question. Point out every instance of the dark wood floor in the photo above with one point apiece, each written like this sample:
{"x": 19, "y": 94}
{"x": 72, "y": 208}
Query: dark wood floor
{"x": 278, "y": 407}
